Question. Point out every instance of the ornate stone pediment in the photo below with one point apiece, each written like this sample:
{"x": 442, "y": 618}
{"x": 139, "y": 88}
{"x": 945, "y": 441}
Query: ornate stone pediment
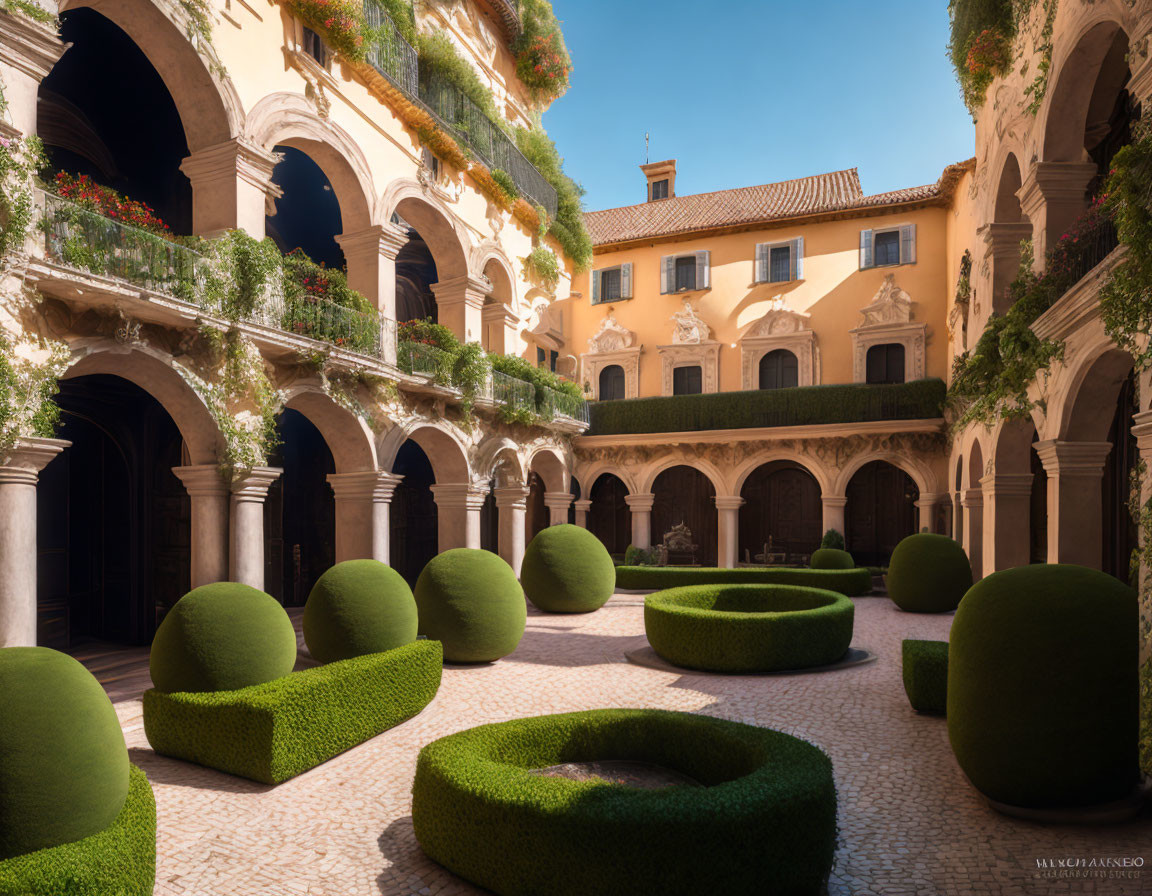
{"x": 611, "y": 337}
{"x": 779, "y": 321}
{"x": 780, "y": 328}
{"x": 892, "y": 305}
{"x": 689, "y": 328}
{"x": 888, "y": 320}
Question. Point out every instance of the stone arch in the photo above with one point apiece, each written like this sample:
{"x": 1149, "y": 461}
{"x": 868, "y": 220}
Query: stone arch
{"x": 821, "y": 474}
{"x": 490, "y": 260}
{"x": 1006, "y": 204}
{"x": 156, "y": 374}
{"x": 348, "y": 436}
{"x": 445, "y": 446}
{"x": 591, "y": 473}
{"x": 447, "y": 238}
{"x": 287, "y": 119}
{"x": 1087, "y": 404}
{"x": 496, "y": 452}
{"x": 924, "y": 478}
{"x": 207, "y": 101}
{"x": 549, "y": 463}
{"x": 974, "y": 470}
{"x": 648, "y": 477}
{"x": 1011, "y": 446}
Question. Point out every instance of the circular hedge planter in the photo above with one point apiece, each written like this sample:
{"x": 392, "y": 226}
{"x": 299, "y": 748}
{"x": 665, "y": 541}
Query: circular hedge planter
{"x": 567, "y": 569}
{"x": 63, "y": 762}
{"x": 222, "y": 637}
{"x": 358, "y": 607}
{"x": 832, "y": 558}
{"x": 748, "y": 628}
{"x": 471, "y": 602}
{"x": 928, "y": 574}
{"x": 1042, "y": 687}
{"x": 764, "y": 821}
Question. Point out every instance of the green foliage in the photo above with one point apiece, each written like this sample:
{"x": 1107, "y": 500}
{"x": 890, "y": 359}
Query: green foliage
{"x": 832, "y": 558}
{"x": 471, "y": 601}
{"x": 567, "y": 569}
{"x": 479, "y": 811}
{"x": 119, "y": 860}
{"x": 1146, "y": 718}
{"x": 928, "y": 574}
{"x": 1042, "y": 687}
{"x": 832, "y": 539}
{"x": 568, "y": 226}
{"x": 64, "y": 774}
{"x": 20, "y": 159}
{"x": 925, "y": 672}
{"x": 542, "y": 60}
{"x": 543, "y": 265}
{"x": 852, "y": 582}
{"x": 440, "y": 58}
{"x": 970, "y": 19}
{"x": 806, "y": 405}
{"x": 634, "y": 556}
{"x": 222, "y": 637}
{"x": 427, "y": 347}
{"x": 340, "y": 22}
{"x": 748, "y": 628}
{"x": 272, "y": 732}
{"x": 358, "y": 607}
{"x": 243, "y": 273}
{"x": 28, "y": 384}
{"x": 1039, "y": 86}
{"x": 31, "y": 10}
{"x": 510, "y": 192}
{"x": 404, "y": 17}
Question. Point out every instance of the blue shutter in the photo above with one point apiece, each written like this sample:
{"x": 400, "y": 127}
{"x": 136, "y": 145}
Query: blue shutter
{"x": 703, "y": 270}
{"x": 866, "y": 242}
{"x": 908, "y": 244}
{"x": 761, "y": 263}
{"x": 596, "y": 287}
{"x": 667, "y": 274}
{"x": 798, "y": 258}
{"x": 626, "y": 281}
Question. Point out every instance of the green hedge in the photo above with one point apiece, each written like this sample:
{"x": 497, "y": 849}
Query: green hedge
{"x": 803, "y": 406}
{"x": 118, "y": 861}
{"x": 764, "y": 823}
{"x": 925, "y": 668}
{"x": 272, "y": 732}
{"x": 852, "y": 582}
{"x": 567, "y": 569}
{"x": 928, "y": 573}
{"x": 749, "y": 628}
{"x": 832, "y": 558}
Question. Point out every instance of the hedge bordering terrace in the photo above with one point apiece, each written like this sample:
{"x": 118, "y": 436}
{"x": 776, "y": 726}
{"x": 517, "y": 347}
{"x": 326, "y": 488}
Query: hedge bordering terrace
{"x": 803, "y": 406}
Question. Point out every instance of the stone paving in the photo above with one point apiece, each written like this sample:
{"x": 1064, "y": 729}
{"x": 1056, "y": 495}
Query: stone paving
{"x": 909, "y": 821}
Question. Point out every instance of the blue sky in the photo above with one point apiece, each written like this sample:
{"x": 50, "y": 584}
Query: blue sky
{"x": 743, "y": 92}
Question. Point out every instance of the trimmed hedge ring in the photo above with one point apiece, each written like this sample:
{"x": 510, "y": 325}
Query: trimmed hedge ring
{"x": 765, "y": 821}
{"x": 749, "y": 628}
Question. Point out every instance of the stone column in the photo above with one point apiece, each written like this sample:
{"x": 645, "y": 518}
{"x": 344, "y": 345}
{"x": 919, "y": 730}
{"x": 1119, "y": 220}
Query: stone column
{"x": 231, "y": 187}
{"x": 728, "y": 530}
{"x": 28, "y": 51}
{"x": 371, "y": 258}
{"x": 458, "y": 513}
{"x": 1007, "y": 512}
{"x": 18, "y": 477}
{"x": 1075, "y": 511}
{"x": 926, "y": 505}
{"x": 957, "y": 516}
{"x": 209, "y": 493}
{"x": 248, "y": 494}
{"x": 834, "y": 511}
{"x": 1053, "y": 197}
{"x": 500, "y": 326}
{"x": 363, "y": 503}
{"x": 973, "y": 541}
{"x": 511, "y": 507}
{"x": 1002, "y": 253}
{"x": 641, "y": 507}
{"x": 557, "y": 504}
{"x": 460, "y": 306}
{"x": 582, "y": 509}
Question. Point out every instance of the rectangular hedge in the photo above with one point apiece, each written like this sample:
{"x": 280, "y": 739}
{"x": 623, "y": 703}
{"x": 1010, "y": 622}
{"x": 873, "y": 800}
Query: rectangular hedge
{"x": 852, "y": 582}
{"x": 272, "y": 732}
{"x": 925, "y": 668}
{"x": 802, "y": 406}
{"x": 118, "y": 861}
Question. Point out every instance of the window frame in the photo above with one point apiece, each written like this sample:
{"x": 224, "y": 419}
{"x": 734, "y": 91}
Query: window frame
{"x": 669, "y": 268}
{"x": 905, "y": 241}
{"x": 893, "y": 243}
{"x": 687, "y": 368}
{"x": 762, "y": 270}
{"x": 624, "y": 272}
{"x": 666, "y": 184}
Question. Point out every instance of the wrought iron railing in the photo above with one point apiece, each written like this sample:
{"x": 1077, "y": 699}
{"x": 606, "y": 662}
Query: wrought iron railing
{"x": 389, "y": 53}
{"x": 513, "y": 393}
{"x": 424, "y": 360}
{"x": 1092, "y": 249}
{"x": 560, "y": 404}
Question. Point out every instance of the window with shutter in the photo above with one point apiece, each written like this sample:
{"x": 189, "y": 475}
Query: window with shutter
{"x": 660, "y": 189}
{"x": 798, "y": 258}
{"x": 885, "y": 363}
{"x": 762, "y": 262}
{"x": 703, "y": 270}
{"x": 908, "y": 244}
{"x": 611, "y": 383}
{"x": 610, "y": 285}
{"x": 887, "y": 248}
{"x": 779, "y": 369}
{"x": 687, "y": 381}
{"x": 667, "y": 274}
{"x": 866, "y": 246}
{"x": 314, "y": 46}
{"x": 685, "y": 272}
{"x": 626, "y": 281}
{"x": 781, "y": 264}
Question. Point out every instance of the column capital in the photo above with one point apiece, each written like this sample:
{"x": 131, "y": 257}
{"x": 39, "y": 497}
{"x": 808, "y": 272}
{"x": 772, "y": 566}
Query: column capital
{"x": 1142, "y": 430}
{"x": 640, "y": 502}
{"x": 834, "y": 500}
{"x": 499, "y": 313}
{"x": 29, "y": 46}
{"x": 1003, "y": 239}
{"x": 928, "y": 499}
{"x": 996, "y": 485}
{"x": 558, "y": 500}
{"x": 236, "y": 158}
{"x": 253, "y": 486}
{"x": 459, "y": 495}
{"x": 512, "y": 495}
{"x": 374, "y": 485}
{"x": 380, "y": 239}
{"x": 1059, "y": 181}
{"x": 27, "y": 457}
{"x": 583, "y": 505}
{"x": 466, "y": 290}
{"x": 203, "y": 480}
{"x": 972, "y": 497}
{"x": 728, "y": 502}
{"x": 1073, "y": 458}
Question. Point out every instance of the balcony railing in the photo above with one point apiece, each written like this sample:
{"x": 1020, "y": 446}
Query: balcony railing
{"x": 1092, "y": 249}
{"x": 513, "y": 393}
{"x": 390, "y": 54}
{"x": 561, "y": 404}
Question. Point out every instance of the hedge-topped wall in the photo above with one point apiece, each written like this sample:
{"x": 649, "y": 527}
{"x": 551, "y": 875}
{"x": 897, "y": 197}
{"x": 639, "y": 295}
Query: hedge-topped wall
{"x": 803, "y": 406}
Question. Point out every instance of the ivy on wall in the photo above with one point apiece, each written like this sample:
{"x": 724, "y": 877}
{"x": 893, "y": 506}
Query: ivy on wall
{"x": 29, "y": 372}
{"x": 20, "y": 159}
{"x": 568, "y": 226}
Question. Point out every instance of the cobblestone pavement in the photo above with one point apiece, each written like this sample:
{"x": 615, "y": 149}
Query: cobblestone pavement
{"x": 909, "y": 821}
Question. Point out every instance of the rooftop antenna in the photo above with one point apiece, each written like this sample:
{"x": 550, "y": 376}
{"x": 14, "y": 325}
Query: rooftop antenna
{"x": 645, "y": 147}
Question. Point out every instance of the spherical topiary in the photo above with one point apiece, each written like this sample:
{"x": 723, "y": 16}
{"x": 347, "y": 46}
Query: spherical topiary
{"x": 358, "y": 607}
{"x": 567, "y": 570}
{"x": 1042, "y": 687}
{"x": 470, "y": 601}
{"x": 928, "y": 574}
{"x": 63, "y": 762}
{"x": 222, "y": 637}
{"x": 832, "y": 558}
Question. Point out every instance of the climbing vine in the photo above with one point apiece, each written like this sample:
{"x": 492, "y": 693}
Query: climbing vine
{"x": 20, "y": 159}
{"x": 31, "y": 10}
{"x": 543, "y": 265}
{"x": 28, "y": 376}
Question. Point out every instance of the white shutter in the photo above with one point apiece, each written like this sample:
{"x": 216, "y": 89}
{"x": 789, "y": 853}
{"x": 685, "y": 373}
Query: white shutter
{"x": 703, "y": 270}
{"x": 866, "y": 245}
{"x": 667, "y": 274}
{"x": 596, "y": 287}
{"x": 798, "y": 258}
{"x": 908, "y": 244}
{"x": 761, "y": 263}
{"x": 626, "y": 281}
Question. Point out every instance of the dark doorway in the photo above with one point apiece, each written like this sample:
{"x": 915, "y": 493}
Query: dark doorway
{"x": 684, "y": 495}
{"x": 885, "y": 363}
{"x": 881, "y": 512}
{"x": 113, "y": 521}
{"x": 414, "y": 538}
{"x": 1120, "y": 535}
{"x": 779, "y": 369}
{"x": 782, "y": 506}
{"x": 687, "y": 381}
{"x": 538, "y": 516}
{"x": 490, "y": 521}
{"x": 611, "y": 383}
{"x": 1038, "y": 509}
{"x": 609, "y": 518}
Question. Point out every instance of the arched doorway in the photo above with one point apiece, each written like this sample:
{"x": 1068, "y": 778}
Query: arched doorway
{"x": 1120, "y": 535}
{"x": 881, "y": 511}
{"x": 490, "y": 521}
{"x": 609, "y": 518}
{"x": 611, "y": 383}
{"x": 113, "y": 521}
{"x": 1037, "y": 507}
{"x": 414, "y": 536}
{"x": 782, "y": 507}
{"x": 537, "y": 517}
{"x": 779, "y": 369}
{"x": 434, "y": 253}
{"x": 684, "y": 495}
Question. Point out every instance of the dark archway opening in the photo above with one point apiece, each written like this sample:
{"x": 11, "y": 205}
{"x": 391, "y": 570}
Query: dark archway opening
{"x": 881, "y": 511}
{"x": 885, "y": 363}
{"x": 308, "y": 214}
{"x": 490, "y": 521}
{"x": 414, "y": 537}
{"x": 1038, "y": 508}
{"x": 104, "y": 111}
{"x": 611, "y": 383}
{"x": 538, "y": 516}
{"x": 609, "y": 518}
{"x": 415, "y": 274}
{"x": 782, "y": 509}
{"x": 113, "y": 521}
{"x": 779, "y": 369}
{"x": 684, "y": 495}
{"x": 1120, "y": 534}
{"x": 299, "y": 513}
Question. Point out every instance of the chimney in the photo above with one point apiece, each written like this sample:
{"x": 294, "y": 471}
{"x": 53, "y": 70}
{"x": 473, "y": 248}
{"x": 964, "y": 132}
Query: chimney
{"x": 661, "y": 179}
